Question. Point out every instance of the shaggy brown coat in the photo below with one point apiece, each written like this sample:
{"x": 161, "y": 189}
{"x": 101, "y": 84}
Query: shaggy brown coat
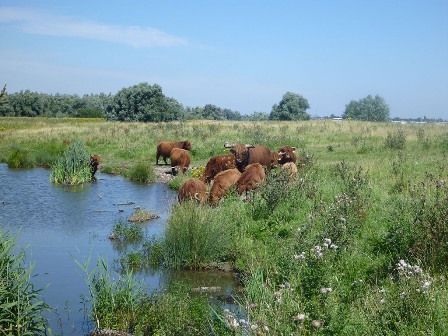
{"x": 251, "y": 178}
{"x": 216, "y": 165}
{"x": 180, "y": 159}
{"x": 94, "y": 163}
{"x": 193, "y": 189}
{"x": 222, "y": 183}
{"x": 287, "y": 154}
{"x": 291, "y": 170}
{"x": 164, "y": 148}
{"x": 248, "y": 154}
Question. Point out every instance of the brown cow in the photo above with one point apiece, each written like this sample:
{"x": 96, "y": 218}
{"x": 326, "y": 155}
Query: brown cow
{"x": 222, "y": 183}
{"x": 252, "y": 178}
{"x": 216, "y": 165}
{"x": 287, "y": 154}
{"x": 180, "y": 158}
{"x": 291, "y": 170}
{"x": 193, "y": 189}
{"x": 274, "y": 159}
{"x": 164, "y": 148}
{"x": 247, "y": 154}
{"x": 94, "y": 163}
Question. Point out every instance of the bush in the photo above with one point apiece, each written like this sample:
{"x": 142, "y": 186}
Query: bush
{"x": 396, "y": 140}
{"x": 21, "y": 307}
{"x": 127, "y": 232}
{"x": 73, "y": 167}
{"x": 141, "y": 173}
{"x": 20, "y": 158}
{"x": 196, "y": 236}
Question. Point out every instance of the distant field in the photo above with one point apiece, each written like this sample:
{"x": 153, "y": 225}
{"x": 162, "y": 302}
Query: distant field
{"x": 123, "y": 144}
{"x": 358, "y": 245}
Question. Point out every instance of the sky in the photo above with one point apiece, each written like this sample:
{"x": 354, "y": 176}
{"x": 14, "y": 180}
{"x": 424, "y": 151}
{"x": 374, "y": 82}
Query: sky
{"x": 237, "y": 54}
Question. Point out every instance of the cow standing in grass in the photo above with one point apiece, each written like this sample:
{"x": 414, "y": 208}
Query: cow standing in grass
{"x": 222, "y": 183}
{"x": 164, "y": 149}
{"x": 287, "y": 154}
{"x": 290, "y": 169}
{"x": 94, "y": 163}
{"x": 180, "y": 160}
{"x": 193, "y": 189}
{"x": 252, "y": 177}
{"x": 248, "y": 154}
{"x": 216, "y": 165}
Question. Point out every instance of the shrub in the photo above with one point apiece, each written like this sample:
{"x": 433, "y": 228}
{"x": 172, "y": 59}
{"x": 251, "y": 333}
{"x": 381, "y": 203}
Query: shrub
{"x": 141, "y": 173}
{"x": 73, "y": 167}
{"x": 197, "y": 235}
{"x": 21, "y": 307}
{"x": 20, "y": 158}
{"x": 127, "y": 232}
{"x": 396, "y": 140}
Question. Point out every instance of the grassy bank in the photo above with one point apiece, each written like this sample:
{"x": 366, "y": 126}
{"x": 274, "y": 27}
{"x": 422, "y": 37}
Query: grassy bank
{"x": 356, "y": 245}
{"x": 20, "y": 305}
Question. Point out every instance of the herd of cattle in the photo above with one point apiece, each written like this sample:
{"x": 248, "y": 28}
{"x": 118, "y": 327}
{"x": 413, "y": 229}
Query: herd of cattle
{"x": 244, "y": 168}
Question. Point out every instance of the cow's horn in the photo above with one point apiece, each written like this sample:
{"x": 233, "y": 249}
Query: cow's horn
{"x": 293, "y": 148}
{"x": 249, "y": 146}
{"x": 281, "y": 153}
{"x": 196, "y": 197}
{"x": 227, "y": 145}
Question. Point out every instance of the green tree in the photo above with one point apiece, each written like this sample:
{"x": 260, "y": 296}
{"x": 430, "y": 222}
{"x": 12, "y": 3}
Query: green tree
{"x": 292, "y": 107}
{"x": 143, "y": 102}
{"x": 4, "y": 102}
{"x": 368, "y": 108}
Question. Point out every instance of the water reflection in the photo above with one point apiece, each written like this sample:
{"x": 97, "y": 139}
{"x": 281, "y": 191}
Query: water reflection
{"x": 61, "y": 225}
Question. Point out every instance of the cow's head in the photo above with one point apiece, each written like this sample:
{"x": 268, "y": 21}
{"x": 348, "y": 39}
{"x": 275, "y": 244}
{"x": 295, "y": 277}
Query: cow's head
{"x": 186, "y": 145}
{"x": 240, "y": 151}
{"x": 285, "y": 154}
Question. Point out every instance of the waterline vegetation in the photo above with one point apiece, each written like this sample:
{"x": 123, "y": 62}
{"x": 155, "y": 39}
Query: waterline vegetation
{"x": 356, "y": 245}
{"x": 21, "y": 306}
{"x": 73, "y": 167}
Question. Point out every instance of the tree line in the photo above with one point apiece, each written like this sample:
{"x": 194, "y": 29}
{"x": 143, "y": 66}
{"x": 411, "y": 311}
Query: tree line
{"x": 145, "y": 102}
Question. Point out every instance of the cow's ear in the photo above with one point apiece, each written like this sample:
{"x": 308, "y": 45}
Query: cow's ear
{"x": 232, "y": 151}
{"x": 250, "y": 146}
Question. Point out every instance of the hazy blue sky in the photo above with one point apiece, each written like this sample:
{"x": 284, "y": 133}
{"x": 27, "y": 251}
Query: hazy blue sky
{"x": 243, "y": 55}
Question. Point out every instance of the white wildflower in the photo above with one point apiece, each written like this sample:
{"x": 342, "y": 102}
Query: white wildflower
{"x": 317, "y": 323}
{"x": 299, "y": 317}
{"x": 326, "y": 290}
{"x": 300, "y": 256}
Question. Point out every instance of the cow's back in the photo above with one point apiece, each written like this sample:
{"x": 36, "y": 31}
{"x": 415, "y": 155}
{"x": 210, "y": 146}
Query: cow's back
{"x": 260, "y": 154}
{"x": 193, "y": 189}
{"x": 222, "y": 183}
{"x": 251, "y": 178}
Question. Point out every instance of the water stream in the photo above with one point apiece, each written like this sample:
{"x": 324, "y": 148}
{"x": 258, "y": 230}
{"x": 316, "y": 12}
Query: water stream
{"x": 58, "y": 226}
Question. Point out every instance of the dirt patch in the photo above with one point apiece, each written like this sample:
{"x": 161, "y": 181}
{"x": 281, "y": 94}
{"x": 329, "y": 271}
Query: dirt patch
{"x": 163, "y": 173}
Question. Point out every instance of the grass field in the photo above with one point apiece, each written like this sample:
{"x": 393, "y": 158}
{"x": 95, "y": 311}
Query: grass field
{"x": 358, "y": 245}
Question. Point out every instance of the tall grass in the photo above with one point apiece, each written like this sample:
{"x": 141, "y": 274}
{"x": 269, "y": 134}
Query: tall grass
{"x": 195, "y": 237}
{"x": 73, "y": 167}
{"x": 141, "y": 173}
{"x": 21, "y": 306}
{"x": 123, "y": 305}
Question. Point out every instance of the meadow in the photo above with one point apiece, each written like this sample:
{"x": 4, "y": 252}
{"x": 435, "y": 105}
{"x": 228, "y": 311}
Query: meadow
{"x": 357, "y": 245}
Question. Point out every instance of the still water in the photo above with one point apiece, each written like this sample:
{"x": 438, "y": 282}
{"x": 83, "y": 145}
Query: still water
{"x": 59, "y": 226}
